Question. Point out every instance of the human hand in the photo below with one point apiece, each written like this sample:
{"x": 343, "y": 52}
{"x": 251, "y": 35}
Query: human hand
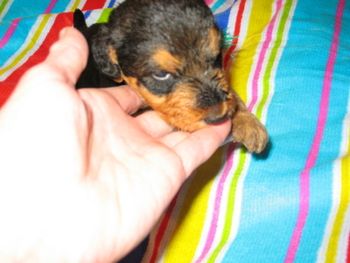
{"x": 81, "y": 180}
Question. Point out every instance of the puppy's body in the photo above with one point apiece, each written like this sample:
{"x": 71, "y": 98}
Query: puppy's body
{"x": 169, "y": 52}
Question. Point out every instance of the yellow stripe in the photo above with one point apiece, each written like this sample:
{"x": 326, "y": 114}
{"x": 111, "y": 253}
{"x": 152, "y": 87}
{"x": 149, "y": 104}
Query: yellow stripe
{"x": 244, "y": 59}
{"x": 189, "y": 231}
{"x": 333, "y": 245}
{"x": 75, "y": 5}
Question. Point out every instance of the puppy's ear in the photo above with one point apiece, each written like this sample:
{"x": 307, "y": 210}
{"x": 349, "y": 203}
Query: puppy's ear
{"x": 79, "y": 20}
{"x": 104, "y": 53}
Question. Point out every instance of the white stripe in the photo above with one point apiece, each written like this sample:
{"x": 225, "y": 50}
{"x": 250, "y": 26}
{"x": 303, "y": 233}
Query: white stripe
{"x": 118, "y": 2}
{"x": 232, "y": 19}
{"x": 93, "y": 17}
{"x": 344, "y": 237}
{"x": 336, "y": 185}
{"x": 224, "y": 6}
{"x": 244, "y": 23}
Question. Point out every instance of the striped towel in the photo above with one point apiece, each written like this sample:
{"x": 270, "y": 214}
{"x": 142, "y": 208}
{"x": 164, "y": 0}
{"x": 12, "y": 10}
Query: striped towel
{"x": 290, "y": 62}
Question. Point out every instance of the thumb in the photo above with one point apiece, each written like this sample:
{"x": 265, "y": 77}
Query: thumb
{"x": 69, "y": 55}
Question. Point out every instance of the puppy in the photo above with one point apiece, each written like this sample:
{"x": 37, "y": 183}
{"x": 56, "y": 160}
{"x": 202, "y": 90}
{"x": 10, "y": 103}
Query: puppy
{"x": 169, "y": 52}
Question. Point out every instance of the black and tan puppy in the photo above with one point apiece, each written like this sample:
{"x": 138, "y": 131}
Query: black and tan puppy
{"x": 169, "y": 52}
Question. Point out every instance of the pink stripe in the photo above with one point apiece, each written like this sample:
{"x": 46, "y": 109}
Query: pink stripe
{"x": 51, "y": 6}
{"x": 15, "y": 23}
{"x": 321, "y": 123}
{"x": 262, "y": 55}
{"x": 213, "y": 224}
{"x": 229, "y": 158}
{"x": 9, "y": 32}
{"x": 209, "y": 2}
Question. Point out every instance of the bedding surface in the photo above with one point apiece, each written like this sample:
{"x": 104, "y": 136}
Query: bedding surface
{"x": 290, "y": 62}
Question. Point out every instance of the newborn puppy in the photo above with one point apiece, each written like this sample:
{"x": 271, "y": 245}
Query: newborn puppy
{"x": 169, "y": 52}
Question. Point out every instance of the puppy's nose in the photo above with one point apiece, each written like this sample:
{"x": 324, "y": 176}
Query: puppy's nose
{"x": 209, "y": 97}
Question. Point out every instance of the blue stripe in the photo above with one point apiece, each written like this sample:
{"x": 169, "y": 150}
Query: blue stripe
{"x": 22, "y": 8}
{"x": 271, "y": 188}
{"x": 112, "y": 3}
{"x": 222, "y": 19}
{"x": 87, "y": 14}
{"x": 321, "y": 176}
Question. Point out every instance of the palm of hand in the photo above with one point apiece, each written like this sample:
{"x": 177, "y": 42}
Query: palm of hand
{"x": 88, "y": 168}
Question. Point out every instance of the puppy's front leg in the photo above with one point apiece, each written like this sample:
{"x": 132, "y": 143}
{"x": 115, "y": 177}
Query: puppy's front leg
{"x": 247, "y": 129}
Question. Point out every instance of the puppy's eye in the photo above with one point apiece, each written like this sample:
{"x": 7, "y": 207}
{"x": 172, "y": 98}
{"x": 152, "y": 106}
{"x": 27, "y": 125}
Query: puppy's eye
{"x": 161, "y": 76}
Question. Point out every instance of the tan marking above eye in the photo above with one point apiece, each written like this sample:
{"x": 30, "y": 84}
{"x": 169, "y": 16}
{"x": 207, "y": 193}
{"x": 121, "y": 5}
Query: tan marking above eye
{"x": 112, "y": 55}
{"x": 166, "y": 60}
{"x": 214, "y": 38}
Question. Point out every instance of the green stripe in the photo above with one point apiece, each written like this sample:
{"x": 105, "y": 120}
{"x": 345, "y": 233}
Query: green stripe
{"x": 272, "y": 60}
{"x": 230, "y": 207}
{"x": 242, "y": 159}
{"x": 105, "y": 15}
{"x": 3, "y": 5}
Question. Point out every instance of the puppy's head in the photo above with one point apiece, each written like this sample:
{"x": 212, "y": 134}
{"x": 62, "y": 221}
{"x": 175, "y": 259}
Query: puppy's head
{"x": 170, "y": 53}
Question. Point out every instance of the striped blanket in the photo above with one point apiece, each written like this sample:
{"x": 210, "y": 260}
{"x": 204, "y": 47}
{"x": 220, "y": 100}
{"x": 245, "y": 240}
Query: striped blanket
{"x": 291, "y": 65}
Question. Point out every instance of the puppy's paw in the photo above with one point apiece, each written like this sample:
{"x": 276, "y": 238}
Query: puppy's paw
{"x": 249, "y": 131}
